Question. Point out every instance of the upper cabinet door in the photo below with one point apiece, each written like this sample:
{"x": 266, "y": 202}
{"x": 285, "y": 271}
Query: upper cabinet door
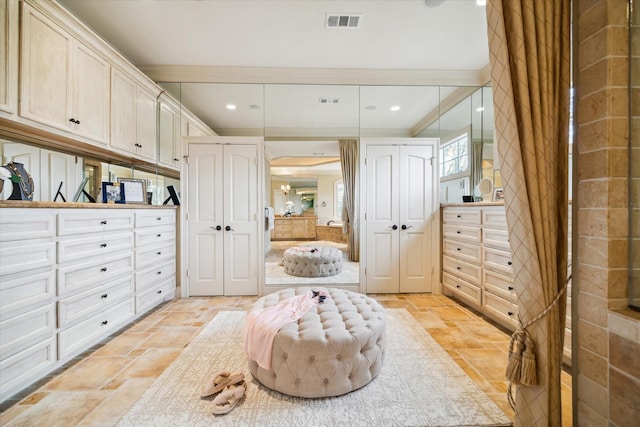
{"x": 123, "y": 112}
{"x": 146, "y": 112}
{"x": 64, "y": 83}
{"x": 91, "y": 83}
{"x": 9, "y": 56}
{"x": 170, "y": 128}
{"x": 45, "y": 71}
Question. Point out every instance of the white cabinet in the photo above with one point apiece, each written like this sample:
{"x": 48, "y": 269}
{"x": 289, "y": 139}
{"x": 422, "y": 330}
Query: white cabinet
{"x": 27, "y": 297}
{"x": 170, "y": 126}
{"x": 399, "y": 203}
{"x": 133, "y": 117}
{"x": 71, "y": 277}
{"x": 64, "y": 83}
{"x": 8, "y": 57}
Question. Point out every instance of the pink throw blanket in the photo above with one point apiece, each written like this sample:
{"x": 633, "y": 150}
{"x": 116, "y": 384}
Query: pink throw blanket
{"x": 262, "y": 325}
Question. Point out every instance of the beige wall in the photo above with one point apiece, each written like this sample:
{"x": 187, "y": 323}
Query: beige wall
{"x": 606, "y": 366}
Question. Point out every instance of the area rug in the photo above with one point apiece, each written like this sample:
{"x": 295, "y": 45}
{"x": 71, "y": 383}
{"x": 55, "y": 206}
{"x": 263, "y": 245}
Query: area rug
{"x": 419, "y": 385}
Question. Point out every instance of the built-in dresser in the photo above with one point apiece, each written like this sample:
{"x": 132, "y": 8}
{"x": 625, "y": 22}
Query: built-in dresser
{"x": 72, "y": 274}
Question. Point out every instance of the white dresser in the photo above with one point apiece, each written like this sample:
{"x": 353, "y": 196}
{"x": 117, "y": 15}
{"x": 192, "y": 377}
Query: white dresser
{"x": 71, "y": 277}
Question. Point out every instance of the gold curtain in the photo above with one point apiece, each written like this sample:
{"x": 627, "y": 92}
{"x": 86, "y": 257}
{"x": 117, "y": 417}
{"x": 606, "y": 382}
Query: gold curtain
{"x": 349, "y": 158}
{"x": 529, "y": 47}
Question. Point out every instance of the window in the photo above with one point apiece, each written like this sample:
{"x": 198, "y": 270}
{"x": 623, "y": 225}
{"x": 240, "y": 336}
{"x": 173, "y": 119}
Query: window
{"x": 454, "y": 157}
{"x": 338, "y": 193}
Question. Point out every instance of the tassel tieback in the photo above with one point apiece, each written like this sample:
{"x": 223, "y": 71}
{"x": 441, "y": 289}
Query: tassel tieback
{"x": 521, "y": 368}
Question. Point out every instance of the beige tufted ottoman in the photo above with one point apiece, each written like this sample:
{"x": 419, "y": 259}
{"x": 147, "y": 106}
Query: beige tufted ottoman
{"x": 336, "y": 347}
{"x": 322, "y": 262}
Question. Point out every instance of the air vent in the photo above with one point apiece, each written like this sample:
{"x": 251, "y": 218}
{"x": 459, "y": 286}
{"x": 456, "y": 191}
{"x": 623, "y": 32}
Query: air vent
{"x": 329, "y": 100}
{"x": 351, "y": 20}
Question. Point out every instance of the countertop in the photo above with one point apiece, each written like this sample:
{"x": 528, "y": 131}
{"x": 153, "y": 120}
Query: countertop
{"x": 77, "y": 205}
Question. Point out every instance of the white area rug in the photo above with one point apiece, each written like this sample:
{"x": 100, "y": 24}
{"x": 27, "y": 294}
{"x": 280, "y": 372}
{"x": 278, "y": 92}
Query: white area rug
{"x": 419, "y": 385}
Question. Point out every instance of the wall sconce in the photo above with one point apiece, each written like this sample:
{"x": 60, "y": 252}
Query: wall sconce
{"x": 285, "y": 189}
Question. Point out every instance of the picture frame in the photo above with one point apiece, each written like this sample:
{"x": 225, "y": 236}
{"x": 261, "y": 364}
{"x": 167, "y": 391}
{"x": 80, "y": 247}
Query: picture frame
{"x": 135, "y": 189}
{"x": 498, "y": 195}
{"x": 112, "y": 192}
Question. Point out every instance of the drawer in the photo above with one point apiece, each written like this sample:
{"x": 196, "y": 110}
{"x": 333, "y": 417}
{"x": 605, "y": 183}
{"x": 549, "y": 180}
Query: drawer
{"x": 496, "y": 238}
{"x": 500, "y": 310}
{"x": 86, "y": 333}
{"x": 467, "y": 292}
{"x": 86, "y": 304}
{"x": 25, "y": 291}
{"x": 499, "y": 284}
{"x": 153, "y": 217}
{"x": 461, "y": 233}
{"x": 150, "y": 298}
{"x": 93, "y": 221}
{"x": 151, "y": 276}
{"x": 466, "y": 271}
{"x": 24, "y": 330}
{"x": 494, "y": 217}
{"x": 71, "y": 248}
{"x": 22, "y": 369}
{"x": 25, "y": 224}
{"x": 151, "y": 255}
{"x": 80, "y": 276}
{"x": 469, "y": 216}
{"x": 497, "y": 260}
{"x": 283, "y": 225}
{"x": 19, "y": 256}
{"x": 464, "y": 251}
{"x": 155, "y": 235}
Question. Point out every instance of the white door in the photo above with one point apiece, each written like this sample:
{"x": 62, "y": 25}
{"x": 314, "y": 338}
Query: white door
{"x": 56, "y": 168}
{"x": 399, "y": 218}
{"x": 222, "y": 219}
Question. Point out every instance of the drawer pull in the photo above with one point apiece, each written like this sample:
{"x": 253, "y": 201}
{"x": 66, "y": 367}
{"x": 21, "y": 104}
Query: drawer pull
{"x": 103, "y": 222}
{"x": 158, "y": 253}
{"x": 158, "y": 235}
{"x": 510, "y": 288}
{"x": 159, "y": 218}
{"x": 510, "y": 313}
{"x": 458, "y": 268}
{"x": 160, "y": 291}
{"x": 458, "y": 216}
{"x": 103, "y": 269}
{"x": 103, "y": 245}
{"x": 104, "y": 322}
{"x": 458, "y": 286}
{"x": 159, "y": 272}
{"x": 457, "y": 231}
{"x": 509, "y": 263}
{"x": 103, "y": 296}
{"x": 458, "y": 249}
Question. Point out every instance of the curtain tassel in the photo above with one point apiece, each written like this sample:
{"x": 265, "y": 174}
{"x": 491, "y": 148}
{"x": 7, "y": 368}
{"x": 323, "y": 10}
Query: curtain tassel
{"x": 528, "y": 376}
{"x": 514, "y": 367}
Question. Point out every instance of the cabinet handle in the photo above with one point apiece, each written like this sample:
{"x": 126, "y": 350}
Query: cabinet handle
{"x": 510, "y": 313}
{"x": 103, "y": 269}
{"x": 175, "y": 160}
{"x": 77, "y": 122}
{"x": 160, "y": 291}
{"x": 458, "y": 249}
{"x": 510, "y": 288}
{"x": 458, "y": 268}
{"x": 104, "y": 322}
{"x": 458, "y": 216}
{"x": 457, "y": 231}
{"x": 159, "y": 253}
{"x": 159, "y": 272}
{"x": 509, "y": 263}
{"x": 159, "y": 219}
{"x": 103, "y": 222}
{"x": 72, "y": 120}
{"x": 158, "y": 235}
{"x": 103, "y": 245}
{"x": 458, "y": 286}
{"x": 103, "y": 296}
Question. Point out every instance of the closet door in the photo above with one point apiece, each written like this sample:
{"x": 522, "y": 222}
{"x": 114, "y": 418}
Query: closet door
{"x": 222, "y": 207}
{"x": 205, "y": 209}
{"x": 416, "y": 218}
{"x": 399, "y": 218}
{"x": 382, "y": 221}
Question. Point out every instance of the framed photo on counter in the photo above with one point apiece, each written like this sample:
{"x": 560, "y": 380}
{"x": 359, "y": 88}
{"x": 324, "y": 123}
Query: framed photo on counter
{"x": 135, "y": 189}
{"x": 112, "y": 192}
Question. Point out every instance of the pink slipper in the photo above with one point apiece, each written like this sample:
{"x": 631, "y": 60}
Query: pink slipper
{"x": 229, "y": 398}
{"x": 219, "y": 381}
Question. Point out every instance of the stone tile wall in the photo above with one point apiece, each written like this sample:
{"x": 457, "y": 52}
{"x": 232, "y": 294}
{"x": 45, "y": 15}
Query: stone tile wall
{"x": 607, "y": 357}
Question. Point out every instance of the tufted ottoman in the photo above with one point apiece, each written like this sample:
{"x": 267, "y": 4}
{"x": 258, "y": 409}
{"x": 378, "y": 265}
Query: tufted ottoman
{"x": 312, "y": 261}
{"x": 336, "y": 347}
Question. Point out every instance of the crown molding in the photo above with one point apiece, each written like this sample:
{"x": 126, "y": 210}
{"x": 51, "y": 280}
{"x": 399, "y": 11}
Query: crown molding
{"x": 338, "y": 76}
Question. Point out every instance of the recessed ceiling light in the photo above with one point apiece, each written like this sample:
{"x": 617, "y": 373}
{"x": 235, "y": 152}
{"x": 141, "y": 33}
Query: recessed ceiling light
{"x": 371, "y": 108}
{"x": 231, "y": 107}
{"x": 395, "y": 108}
{"x": 255, "y": 107}
{"x": 480, "y": 109}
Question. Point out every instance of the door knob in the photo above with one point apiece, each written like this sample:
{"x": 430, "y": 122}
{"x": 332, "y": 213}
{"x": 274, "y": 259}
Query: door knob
{"x": 394, "y": 227}
{"x": 406, "y": 227}
{"x": 228, "y": 228}
{"x": 217, "y": 228}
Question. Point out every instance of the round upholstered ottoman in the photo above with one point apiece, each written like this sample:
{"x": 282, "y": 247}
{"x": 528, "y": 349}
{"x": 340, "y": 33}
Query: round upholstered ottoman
{"x": 312, "y": 261}
{"x": 336, "y": 347}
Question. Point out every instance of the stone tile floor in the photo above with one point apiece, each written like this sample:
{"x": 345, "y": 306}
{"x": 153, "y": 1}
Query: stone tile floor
{"x": 98, "y": 387}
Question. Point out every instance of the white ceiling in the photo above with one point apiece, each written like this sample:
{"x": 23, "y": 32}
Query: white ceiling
{"x": 402, "y": 52}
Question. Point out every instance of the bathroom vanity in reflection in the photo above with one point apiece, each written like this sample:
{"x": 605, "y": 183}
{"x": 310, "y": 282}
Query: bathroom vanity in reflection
{"x": 294, "y": 228}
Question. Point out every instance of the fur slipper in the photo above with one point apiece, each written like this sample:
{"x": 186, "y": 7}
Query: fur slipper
{"x": 219, "y": 381}
{"x": 229, "y": 398}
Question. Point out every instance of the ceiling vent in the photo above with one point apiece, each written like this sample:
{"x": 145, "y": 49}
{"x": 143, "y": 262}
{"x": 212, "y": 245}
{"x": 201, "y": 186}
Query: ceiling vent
{"x": 351, "y": 20}
{"x": 329, "y": 100}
